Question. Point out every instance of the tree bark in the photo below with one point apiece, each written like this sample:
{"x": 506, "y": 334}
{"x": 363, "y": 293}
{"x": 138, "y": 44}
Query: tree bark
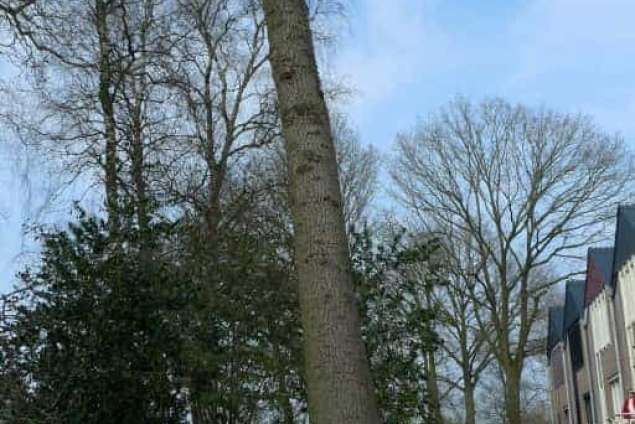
{"x": 512, "y": 395}
{"x": 338, "y": 378}
{"x": 468, "y": 401}
{"x": 107, "y": 104}
{"x": 432, "y": 387}
{"x": 139, "y": 86}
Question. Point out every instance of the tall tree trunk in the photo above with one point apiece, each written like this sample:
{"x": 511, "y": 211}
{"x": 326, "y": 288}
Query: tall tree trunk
{"x": 338, "y": 378}
{"x": 468, "y": 402}
{"x": 513, "y": 410}
{"x": 107, "y": 105}
{"x": 138, "y": 175}
{"x": 139, "y": 86}
{"x": 432, "y": 387}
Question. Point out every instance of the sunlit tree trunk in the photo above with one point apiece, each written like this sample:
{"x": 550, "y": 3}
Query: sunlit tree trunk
{"x": 337, "y": 373}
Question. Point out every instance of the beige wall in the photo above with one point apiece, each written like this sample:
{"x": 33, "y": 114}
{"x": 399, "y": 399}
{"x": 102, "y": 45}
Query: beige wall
{"x": 624, "y": 307}
{"x": 559, "y": 396}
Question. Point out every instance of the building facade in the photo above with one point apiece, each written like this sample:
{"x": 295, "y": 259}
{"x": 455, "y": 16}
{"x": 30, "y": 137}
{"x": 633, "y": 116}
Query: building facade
{"x": 591, "y": 338}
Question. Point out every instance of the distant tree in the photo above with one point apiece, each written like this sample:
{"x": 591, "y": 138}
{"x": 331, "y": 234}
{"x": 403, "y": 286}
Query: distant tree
{"x": 217, "y": 74}
{"x": 464, "y": 344}
{"x": 528, "y": 188}
{"x": 358, "y": 167}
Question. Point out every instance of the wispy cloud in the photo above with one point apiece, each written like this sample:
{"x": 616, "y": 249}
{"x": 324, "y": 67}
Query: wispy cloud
{"x": 406, "y": 57}
{"x": 392, "y": 46}
{"x": 579, "y": 55}
{"x": 555, "y": 36}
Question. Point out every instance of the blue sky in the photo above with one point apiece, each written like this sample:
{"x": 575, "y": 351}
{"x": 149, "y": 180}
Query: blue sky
{"x": 407, "y": 58}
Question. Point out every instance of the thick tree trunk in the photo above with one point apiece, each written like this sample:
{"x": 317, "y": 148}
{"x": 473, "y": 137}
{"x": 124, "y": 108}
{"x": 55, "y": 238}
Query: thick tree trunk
{"x": 512, "y": 395}
{"x": 340, "y": 389}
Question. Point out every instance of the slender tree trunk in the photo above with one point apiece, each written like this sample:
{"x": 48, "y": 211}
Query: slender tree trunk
{"x": 432, "y": 387}
{"x": 468, "y": 401}
{"x": 138, "y": 169}
{"x": 214, "y": 211}
{"x": 512, "y": 395}
{"x": 340, "y": 389}
{"x": 107, "y": 105}
{"x": 139, "y": 85}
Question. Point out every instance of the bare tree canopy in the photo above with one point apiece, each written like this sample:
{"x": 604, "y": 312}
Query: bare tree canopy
{"x": 528, "y": 187}
{"x": 358, "y": 167}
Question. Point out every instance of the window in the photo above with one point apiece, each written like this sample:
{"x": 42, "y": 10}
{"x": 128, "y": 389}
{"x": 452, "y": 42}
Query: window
{"x": 588, "y": 412}
{"x": 616, "y": 396}
{"x": 602, "y": 413}
{"x": 600, "y": 322}
{"x": 575, "y": 346}
{"x": 557, "y": 370}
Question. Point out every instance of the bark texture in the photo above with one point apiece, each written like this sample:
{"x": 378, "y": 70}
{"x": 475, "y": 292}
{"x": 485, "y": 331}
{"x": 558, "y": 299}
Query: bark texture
{"x": 469, "y": 403}
{"x": 340, "y": 389}
{"x": 108, "y": 109}
{"x": 432, "y": 388}
{"x": 513, "y": 410}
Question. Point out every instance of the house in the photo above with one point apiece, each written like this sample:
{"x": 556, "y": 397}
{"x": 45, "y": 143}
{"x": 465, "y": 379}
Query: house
{"x": 555, "y": 358}
{"x": 591, "y": 338}
{"x": 576, "y": 376}
{"x": 598, "y": 339}
{"x": 624, "y": 294}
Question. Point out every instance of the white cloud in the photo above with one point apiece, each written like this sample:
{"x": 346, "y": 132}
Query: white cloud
{"x": 578, "y": 55}
{"x": 575, "y": 55}
{"x": 393, "y": 44}
{"x": 553, "y": 35}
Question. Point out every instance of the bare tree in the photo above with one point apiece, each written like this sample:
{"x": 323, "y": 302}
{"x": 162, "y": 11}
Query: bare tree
{"x": 358, "y": 167}
{"x": 464, "y": 342}
{"x": 530, "y": 187}
{"x": 337, "y": 373}
{"x": 219, "y": 72}
{"x": 534, "y": 395}
{"x": 91, "y": 65}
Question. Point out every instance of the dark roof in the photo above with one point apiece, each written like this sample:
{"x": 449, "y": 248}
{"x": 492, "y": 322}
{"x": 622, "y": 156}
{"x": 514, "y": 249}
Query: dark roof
{"x": 624, "y": 236}
{"x": 573, "y": 302}
{"x": 599, "y": 272}
{"x": 556, "y": 315}
{"x": 603, "y": 257}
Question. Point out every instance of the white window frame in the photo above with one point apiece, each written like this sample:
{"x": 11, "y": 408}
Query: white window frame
{"x": 616, "y": 396}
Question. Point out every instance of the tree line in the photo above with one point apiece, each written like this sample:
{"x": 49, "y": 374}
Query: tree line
{"x": 239, "y": 270}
